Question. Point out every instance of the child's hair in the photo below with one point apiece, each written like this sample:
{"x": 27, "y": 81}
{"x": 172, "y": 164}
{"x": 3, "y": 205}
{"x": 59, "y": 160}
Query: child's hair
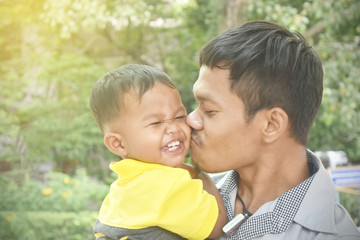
{"x": 106, "y": 99}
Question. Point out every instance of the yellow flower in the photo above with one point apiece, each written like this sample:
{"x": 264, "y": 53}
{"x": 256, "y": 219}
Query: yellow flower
{"x": 64, "y": 194}
{"x": 67, "y": 180}
{"x": 47, "y": 191}
{"x": 10, "y": 217}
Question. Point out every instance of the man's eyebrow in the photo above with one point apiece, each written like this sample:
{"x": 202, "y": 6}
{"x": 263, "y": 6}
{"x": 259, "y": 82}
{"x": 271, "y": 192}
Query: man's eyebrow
{"x": 204, "y": 96}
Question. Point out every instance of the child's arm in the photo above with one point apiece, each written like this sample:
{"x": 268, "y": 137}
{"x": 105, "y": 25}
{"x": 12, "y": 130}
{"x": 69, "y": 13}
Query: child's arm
{"x": 210, "y": 187}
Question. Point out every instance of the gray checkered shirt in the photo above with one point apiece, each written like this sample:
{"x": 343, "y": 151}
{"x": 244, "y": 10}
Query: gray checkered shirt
{"x": 275, "y": 221}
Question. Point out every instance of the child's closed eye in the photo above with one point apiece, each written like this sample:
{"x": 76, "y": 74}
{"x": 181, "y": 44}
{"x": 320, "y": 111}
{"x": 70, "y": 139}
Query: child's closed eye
{"x": 155, "y": 123}
{"x": 180, "y": 117}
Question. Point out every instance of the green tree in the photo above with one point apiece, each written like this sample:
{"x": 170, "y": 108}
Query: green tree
{"x": 53, "y": 51}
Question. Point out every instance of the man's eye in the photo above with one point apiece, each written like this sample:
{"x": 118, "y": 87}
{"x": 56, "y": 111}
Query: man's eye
{"x": 209, "y": 113}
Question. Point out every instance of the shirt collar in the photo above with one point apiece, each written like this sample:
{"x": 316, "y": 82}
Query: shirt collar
{"x": 294, "y": 205}
{"x": 128, "y": 169}
{"x": 319, "y": 202}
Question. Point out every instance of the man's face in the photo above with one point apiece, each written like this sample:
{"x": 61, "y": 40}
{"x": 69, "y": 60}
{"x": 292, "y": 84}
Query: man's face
{"x": 154, "y": 128}
{"x": 221, "y": 139}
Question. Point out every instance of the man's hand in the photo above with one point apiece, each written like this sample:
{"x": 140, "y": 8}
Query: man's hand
{"x": 193, "y": 172}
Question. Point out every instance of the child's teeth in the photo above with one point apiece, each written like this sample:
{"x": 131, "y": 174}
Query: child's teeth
{"x": 173, "y": 144}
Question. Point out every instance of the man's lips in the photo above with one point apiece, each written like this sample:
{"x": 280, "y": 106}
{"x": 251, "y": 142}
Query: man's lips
{"x": 194, "y": 140}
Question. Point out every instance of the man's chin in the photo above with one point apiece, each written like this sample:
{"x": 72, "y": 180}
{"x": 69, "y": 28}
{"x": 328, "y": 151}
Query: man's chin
{"x": 204, "y": 165}
{"x": 199, "y": 163}
{"x": 194, "y": 159}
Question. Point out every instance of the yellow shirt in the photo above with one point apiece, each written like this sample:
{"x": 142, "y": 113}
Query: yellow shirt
{"x": 147, "y": 194}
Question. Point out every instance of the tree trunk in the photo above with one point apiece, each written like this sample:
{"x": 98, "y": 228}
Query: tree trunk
{"x": 234, "y": 14}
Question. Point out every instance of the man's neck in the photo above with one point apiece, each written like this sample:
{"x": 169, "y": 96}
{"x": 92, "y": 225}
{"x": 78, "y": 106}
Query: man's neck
{"x": 270, "y": 176}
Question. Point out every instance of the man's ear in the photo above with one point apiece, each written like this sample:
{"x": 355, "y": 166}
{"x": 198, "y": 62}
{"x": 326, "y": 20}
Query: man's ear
{"x": 276, "y": 123}
{"x": 114, "y": 142}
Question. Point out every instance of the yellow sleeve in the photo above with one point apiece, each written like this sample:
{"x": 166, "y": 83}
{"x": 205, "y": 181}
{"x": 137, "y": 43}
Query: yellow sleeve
{"x": 188, "y": 210}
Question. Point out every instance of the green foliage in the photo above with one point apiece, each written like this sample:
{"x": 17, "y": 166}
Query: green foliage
{"x": 340, "y": 110}
{"x": 61, "y": 119}
{"x": 47, "y": 225}
{"x": 352, "y": 203}
{"x": 53, "y": 51}
{"x": 64, "y": 47}
{"x": 200, "y": 23}
{"x": 286, "y": 15}
{"x": 337, "y": 125}
{"x": 69, "y": 17}
{"x": 59, "y": 206}
{"x": 56, "y": 192}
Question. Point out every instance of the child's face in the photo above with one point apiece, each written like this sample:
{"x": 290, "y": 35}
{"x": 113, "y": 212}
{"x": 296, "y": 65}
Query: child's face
{"x": 154, "y": 130}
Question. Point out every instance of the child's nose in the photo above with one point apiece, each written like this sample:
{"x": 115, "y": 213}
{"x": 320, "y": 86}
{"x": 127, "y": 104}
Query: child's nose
{"x": 172, "y": 127}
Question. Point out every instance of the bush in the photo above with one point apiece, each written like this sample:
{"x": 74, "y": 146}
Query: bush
{"x": 351, "y": 201}
{"x": 56, "y": 207}
{"x": 47, "y": 225}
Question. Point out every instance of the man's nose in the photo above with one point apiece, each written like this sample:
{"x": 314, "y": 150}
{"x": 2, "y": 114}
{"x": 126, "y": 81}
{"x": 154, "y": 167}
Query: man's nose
{"x": 194, "y": 121}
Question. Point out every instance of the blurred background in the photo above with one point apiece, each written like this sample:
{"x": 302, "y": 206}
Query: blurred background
{"x": 53, "y": 164}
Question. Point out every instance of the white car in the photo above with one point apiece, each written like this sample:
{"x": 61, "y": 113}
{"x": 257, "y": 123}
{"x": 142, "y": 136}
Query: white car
{"x": 333, "y": 159}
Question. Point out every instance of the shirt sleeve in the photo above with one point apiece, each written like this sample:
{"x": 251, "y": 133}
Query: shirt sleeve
{"x": 188, "y": 210}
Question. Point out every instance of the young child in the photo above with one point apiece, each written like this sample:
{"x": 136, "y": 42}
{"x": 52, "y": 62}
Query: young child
{"x": 156, "y": 195}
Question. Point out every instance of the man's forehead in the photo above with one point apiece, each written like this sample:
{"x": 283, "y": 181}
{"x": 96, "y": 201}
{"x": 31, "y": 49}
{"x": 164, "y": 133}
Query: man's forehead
{"x": 201, "y": 83}
{"x": 210, "y": 83}
{"x": 203, "y": 92}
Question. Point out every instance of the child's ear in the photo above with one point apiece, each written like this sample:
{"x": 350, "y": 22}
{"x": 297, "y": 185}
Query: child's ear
{"x": 276, "y": 123}
{"x": 114, "y": 142}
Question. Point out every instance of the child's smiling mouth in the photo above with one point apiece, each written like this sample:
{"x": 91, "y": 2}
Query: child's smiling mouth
{"x": 174, "y": 146}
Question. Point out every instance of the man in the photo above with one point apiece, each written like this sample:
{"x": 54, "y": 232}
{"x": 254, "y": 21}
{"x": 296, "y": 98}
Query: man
{"x": 259, "y": 89}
